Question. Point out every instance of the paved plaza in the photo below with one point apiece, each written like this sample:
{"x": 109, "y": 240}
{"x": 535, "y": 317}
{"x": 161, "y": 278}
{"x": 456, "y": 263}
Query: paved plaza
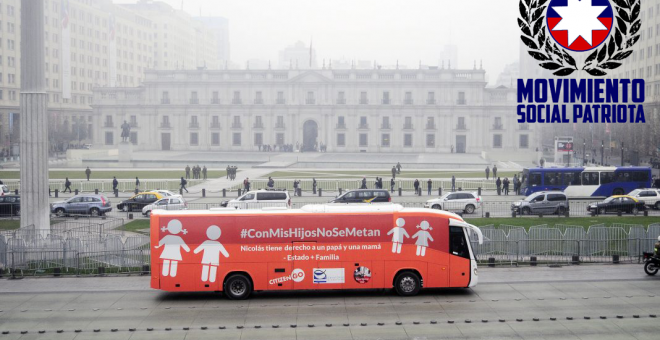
{"x": 574, "y": 302}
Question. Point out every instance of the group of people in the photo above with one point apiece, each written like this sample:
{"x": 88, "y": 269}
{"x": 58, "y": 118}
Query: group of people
{"x": 276, "y": 147}
{"x": 503, "y": 185}
{"x": 231, "y": 172}
{"x": 494, "y": 172}
{"x": 197, "y": 172}
{"x": 396, "y": 169}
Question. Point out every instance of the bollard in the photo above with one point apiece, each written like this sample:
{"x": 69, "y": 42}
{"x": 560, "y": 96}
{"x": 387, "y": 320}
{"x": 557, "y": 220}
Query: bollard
{"x": 532, "y": 261}
{"x": 540, "y": 215}
{"x": 320, "y": 192}
{"x": 646, "y": 213}
{"x": 101, "y": 270}
{"x": 56, "y": 271}
{"x": 181, "y": 191}
{"x": 593, "y": 213}
{"x": 479, "y": 191}
{"x": 575, "y": 259}
{"x": 419, "y": 192}
{"x": 130, "y": 216}
{"x": 116, "y": 193}
{"x": 491, "y": 262}
{"x": 314, "y": 190}
{"x": 440, "y": 191}
{"x": 224, "y": 192}
{"x": 239, "y": 192}
{"x": 399, "y": 191}
{"x": 203, "y": 192}
{"x": 57, "y": 193}
{"x": 136, "y": 191}
{"x": 619, "y": 213}
{"x": 513, "y": 214}
{"x": 340, "y": 191}
{"x": 615, "y": 259}
{"x": 76, "y": 192}
{"x": 2, "y": 272}
{"x": 299, "y": 192}
{"x": 567, "y": 213}
{"x": 487, "y": 214}
{"x": 145, "y": 269}
{"x": 16, "y": 192}
{"x": 96, "y": 191}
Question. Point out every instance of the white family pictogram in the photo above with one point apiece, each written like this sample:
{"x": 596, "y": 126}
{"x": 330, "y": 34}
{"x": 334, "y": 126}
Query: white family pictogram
{"x": 423, "y": 237}
{"x": 212, "y": 249}
{"x": 171, "y": 255}
{"x": 398, "y": 233}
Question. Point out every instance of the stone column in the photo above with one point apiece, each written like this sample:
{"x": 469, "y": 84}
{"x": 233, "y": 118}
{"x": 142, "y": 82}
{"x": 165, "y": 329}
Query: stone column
{"x": 34, "y": 119}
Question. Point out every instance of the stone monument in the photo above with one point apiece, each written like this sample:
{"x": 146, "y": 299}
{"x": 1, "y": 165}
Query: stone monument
{"x": 125, "y": 151}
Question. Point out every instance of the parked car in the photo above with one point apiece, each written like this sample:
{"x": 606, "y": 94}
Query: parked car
{"x": 174, "y": 202}
{"x": 4, "y": 190}
{"x": 466, "y": 202}
{"x": 364, "y": 196}
{"x": 542, "y": 202}
{"x": 94, "y": 205}
{"x": 650, "y": 197}
{"x": 260, "y": 199}
{"x": 139, "y": 201}
{"x": 10, "y": 205}
{"x": 622, "y": 203}
{"x": 165, "y": 193}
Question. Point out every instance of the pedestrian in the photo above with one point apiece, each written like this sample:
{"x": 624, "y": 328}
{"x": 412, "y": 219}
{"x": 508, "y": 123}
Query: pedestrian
{"x": 380, "y": 183}
{"x": 430, "y": 186}
{"x": 416, "y": 185}
{"x": 498, "y": 183}
{"x": 393, "y": 171}
{"x": 392, "y": 185}
{"x": 452, "y": 148}
{"x": 516, "y": 184}
{"x": 495, "y": 171}
{"x": 506, "y": 186}
{"x": 314, "y": 185}
{"x": 248, "y": 183}
{"x": 137, "y": 183}
{"x": 364, "y": 183}
{"x": 67, "y": 185}
{"x": 295, "y": 187}
{"x": 245, "y": 185}
{"x": 228, "y": 171}
{"x": 453, "y": 183}
{"x": 398, "y": 167}
{"x": 183, "y": 184}
{"x": 187, "y": 171}
{"x": 271, "y": 182}
{"x": 487, "y": 172}
{"x": 115, "y": 183}
{"x": 204, "y": 170}
{"x": 88, "y": 172}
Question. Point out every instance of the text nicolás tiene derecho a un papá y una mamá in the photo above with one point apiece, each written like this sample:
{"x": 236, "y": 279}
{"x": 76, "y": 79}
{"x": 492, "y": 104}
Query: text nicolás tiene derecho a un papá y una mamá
{"x": 589, "y": 101}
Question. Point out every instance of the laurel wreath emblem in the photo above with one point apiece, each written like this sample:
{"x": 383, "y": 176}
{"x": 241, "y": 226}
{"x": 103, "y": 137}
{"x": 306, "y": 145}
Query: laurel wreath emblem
{"x": 554, "y": 58}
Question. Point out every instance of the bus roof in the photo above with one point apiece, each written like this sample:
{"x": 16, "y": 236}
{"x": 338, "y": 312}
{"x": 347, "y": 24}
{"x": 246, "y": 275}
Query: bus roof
{"x": 591, "y": 168}
{"x": 312, "y": 209}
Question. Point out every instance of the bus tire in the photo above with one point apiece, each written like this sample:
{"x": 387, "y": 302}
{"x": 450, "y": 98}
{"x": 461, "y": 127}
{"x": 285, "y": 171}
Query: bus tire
{"x": 407, "y": 284}
{"x": 617, "y": 191}
{"x": 237, "y": 287}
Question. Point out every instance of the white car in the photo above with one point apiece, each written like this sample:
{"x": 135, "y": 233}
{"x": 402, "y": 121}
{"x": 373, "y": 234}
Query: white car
{"x": 466, "y": 202}
{"x": 260, "y": 199}
{"x": 166, "y": 193}
{"x": 4, "y": 190}
{"x": 174, "y": 202}
{"x": 650, "y": 197}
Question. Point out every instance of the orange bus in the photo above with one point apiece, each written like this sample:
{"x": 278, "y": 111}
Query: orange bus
{"x": 315, "y": 247}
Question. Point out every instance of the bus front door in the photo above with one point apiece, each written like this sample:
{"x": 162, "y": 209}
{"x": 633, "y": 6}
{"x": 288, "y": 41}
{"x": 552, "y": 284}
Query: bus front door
{"x": 459, "y": 258}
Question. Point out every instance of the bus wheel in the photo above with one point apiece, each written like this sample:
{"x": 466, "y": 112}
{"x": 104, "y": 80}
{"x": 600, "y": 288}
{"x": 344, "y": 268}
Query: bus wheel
{"x": 617, "y": 191}
{"x": 238, "y": 287}
{"x": 407, "y": 284}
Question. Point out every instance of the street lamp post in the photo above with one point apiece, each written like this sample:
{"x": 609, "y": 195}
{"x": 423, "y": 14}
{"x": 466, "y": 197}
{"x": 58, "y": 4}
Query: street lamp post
{"x": 602, "y": 152}
{"x": 622, "y": 153}
{"x": 584, "y": 152}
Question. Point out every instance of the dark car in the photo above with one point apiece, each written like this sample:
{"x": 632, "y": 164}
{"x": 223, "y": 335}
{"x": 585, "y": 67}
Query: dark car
{"x": 139, "y": 201}
{"x": 94, "y": 205}
{"x": 364, "y": 196}
{"x": 10, "y": 205}
{"x": 614, "y": 204}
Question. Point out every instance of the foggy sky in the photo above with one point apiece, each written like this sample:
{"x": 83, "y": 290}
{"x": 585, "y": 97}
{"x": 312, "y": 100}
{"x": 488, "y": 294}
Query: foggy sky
{"x": 381, "y": 30}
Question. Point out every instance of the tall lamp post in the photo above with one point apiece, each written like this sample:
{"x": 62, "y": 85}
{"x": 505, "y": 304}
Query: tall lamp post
{"x": 622, "y": 153}
{"x": 602, "y": 152}
{"x": 584, "y": 152}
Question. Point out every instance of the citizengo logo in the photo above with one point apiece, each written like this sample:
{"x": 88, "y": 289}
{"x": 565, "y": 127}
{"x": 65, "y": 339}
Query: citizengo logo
{"x": 297, "y": 275}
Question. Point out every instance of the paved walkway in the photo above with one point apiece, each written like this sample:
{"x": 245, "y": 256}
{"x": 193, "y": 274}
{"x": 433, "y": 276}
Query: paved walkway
{"x": 216, "y": 185}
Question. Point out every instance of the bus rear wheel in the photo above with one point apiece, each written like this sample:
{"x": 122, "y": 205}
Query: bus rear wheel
{"x": 238, "y": 287}
{"x": 407, "y": 284}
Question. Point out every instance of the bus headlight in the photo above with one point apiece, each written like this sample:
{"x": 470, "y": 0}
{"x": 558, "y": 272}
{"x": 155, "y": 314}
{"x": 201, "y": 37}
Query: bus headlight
{"x": 475, "y": 272}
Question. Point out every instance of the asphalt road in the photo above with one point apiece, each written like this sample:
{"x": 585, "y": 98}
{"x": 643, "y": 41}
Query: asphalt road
{"x": 575, "y": 302}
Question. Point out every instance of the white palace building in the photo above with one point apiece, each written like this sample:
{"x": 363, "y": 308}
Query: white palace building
{"x": 427, "y": 110}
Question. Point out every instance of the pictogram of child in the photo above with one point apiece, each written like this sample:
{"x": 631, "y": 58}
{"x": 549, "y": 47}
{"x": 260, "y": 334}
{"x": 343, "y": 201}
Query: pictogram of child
{"x": 398, "y": 233}
{"x": 423, "y": 237}
{"x": 211, "y": 257}
{"x": 171, "y": 255}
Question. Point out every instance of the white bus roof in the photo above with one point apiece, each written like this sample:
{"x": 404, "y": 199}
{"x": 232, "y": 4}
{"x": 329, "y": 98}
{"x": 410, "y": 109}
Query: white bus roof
{"x": 600, "y": 168}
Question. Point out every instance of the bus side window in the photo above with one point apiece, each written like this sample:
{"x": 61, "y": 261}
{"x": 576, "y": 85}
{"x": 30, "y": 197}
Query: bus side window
{"x": 534, "y": 179}
{"x": 640, "y": 176}
{"x": 457, "y": 244}
{"x": 589, "y": 178}
{"x": 606, "y": 177}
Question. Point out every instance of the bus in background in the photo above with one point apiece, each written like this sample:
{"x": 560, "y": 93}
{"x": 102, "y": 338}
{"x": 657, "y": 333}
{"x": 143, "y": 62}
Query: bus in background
{"x": 316, "y": 247}
{"x": 585, "y": 182}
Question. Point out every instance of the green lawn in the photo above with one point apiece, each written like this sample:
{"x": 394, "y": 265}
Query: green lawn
{"x": 9, "y": 224}
{"x": 321, "y": 174}
{"x": 551, "y": 221}
{"x": 121, "y": 174}
{"x": 137, "y": 225}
